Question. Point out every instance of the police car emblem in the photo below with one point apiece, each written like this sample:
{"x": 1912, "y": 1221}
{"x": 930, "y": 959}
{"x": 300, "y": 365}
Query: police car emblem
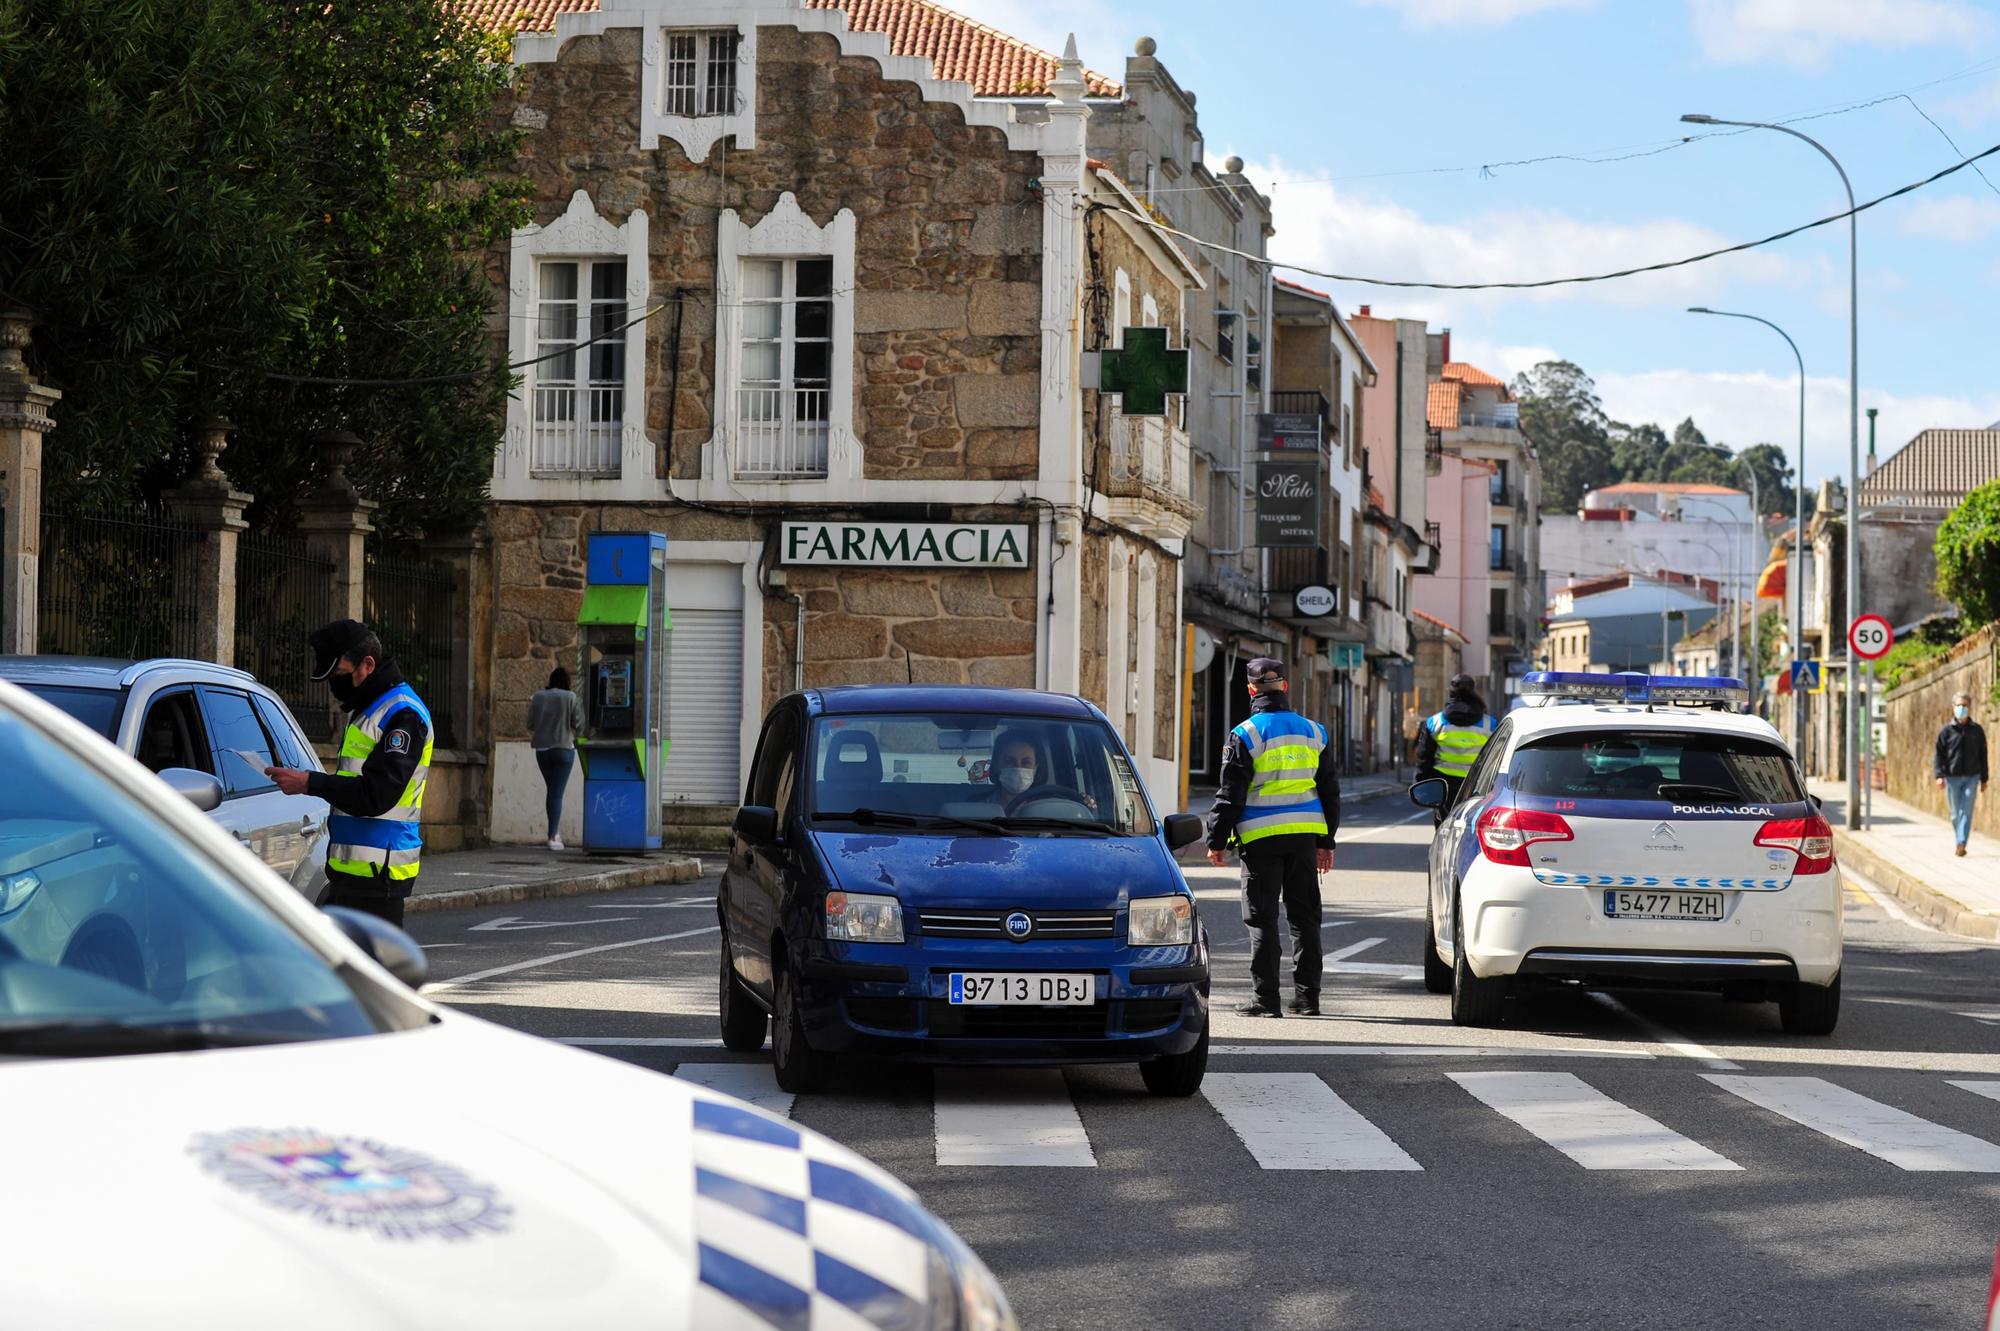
{"x": 1018, "y": 925}
{"x": 353, "y": 1183}
{"x": 398, "y": 741}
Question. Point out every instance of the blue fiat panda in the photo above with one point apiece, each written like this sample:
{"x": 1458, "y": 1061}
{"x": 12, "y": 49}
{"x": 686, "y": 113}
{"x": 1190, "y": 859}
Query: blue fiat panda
{"x": 958, "y": 875}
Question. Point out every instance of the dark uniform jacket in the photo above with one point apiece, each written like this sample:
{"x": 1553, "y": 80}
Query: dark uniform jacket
{"x": 1961, "y": 751}
{"x": 386, "y": 772}
{"x": 1237, "y": 771}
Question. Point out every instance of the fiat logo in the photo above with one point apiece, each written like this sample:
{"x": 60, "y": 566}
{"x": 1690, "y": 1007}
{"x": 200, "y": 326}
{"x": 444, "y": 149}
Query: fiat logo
{"x": 1019, "y": 926}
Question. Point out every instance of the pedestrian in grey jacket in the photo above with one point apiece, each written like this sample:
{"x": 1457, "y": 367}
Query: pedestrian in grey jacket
{"x": 555, "y": 718}
{"x": 1959, "y": 764}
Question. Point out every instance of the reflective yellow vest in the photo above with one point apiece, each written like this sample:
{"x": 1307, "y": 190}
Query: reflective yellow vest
{"x": 1458, "y": 746}
{"x": 1284, "y": 751}
{"x": 390, "y": 845}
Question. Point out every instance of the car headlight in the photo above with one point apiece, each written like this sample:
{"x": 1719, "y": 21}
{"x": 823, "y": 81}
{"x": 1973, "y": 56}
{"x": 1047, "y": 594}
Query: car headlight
{"x": 15, "y": 889}
{"x": 1159, "y": 921}
{"x": 857, "y": 917}
{"x": 965, "y": 1296}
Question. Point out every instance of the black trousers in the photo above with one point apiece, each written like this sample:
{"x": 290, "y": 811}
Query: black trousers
{"x": 1283, "y": 870}
{"x": 362, "y": 895}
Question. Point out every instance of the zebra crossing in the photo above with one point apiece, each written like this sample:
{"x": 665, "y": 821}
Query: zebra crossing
{"x": 1017, "y": 1118}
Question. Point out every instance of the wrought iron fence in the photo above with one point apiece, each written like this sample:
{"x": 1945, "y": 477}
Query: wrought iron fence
{"x": 117, "y": 586}
{"x": 283, "y": 592}
{"x": 413, "y": 608}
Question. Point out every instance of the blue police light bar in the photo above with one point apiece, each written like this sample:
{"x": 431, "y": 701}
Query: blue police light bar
{"x": 1633, "y": 687}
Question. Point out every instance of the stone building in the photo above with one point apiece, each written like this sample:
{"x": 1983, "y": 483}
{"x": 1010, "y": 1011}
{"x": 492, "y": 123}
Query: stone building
{"x": 843, "y": 284}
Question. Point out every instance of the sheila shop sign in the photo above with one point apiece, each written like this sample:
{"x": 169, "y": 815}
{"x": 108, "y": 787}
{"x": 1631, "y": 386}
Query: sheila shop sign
{"x": 908, "y": 544}
{"x": 1288, "y": 503}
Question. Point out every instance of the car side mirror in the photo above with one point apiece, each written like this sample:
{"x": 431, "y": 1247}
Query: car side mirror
{"x": 389, "y": 947}
{"x": 1430, "y": 793}
{"x": 1183, "y": 829}
{"x": 1817, "y": 802}
{"x": 198, "y": 788}
{"x": 757, "y": 824}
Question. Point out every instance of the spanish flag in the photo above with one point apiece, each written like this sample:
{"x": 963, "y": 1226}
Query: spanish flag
{"x": 1771, "y": 582}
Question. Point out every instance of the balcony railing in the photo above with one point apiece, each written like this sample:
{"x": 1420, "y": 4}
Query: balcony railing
{"x": 1302, "y": 567}
{"x": 1148, "y": 459}
{"x": 781, "y": 433}
{"x": 577, "y": 429}
{"x": 1433, "y": 453}
{"x": 1506, "y": 417}
{"x": 1503, "y": 496}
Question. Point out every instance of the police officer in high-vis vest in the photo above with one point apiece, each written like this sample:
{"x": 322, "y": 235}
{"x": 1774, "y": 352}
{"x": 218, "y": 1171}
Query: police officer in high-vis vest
{"x": 1280, "y": 801}
{"x": 374, "y": 834}
{"x": 1451, "y": 740}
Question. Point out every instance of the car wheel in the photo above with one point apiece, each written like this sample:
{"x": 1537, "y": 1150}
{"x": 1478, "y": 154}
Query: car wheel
{"x": 1811, "y": 1009}
{"x": 1474, "y": 1002}
{"x": 742, "y": 1020}
{"x": 1177, "y": 1074}
{"x": 1437, "y": 975}
{"x": 799, "y": 1066}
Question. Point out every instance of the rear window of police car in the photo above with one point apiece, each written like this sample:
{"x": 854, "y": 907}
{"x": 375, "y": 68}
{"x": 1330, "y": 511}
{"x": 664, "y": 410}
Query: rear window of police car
{"x": 1698, "y": 768}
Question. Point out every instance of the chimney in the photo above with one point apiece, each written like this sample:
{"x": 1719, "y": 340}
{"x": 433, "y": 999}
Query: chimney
{"x": 1447, "y": 346}
{"x": 1365, "y": 314}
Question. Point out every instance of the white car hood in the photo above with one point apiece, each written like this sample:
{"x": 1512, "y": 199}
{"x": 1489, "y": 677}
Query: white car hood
{"x": 454, "y": 1176}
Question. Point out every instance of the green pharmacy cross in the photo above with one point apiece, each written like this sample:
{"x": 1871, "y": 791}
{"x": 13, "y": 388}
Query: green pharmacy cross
{"x": 1144, "y": 372}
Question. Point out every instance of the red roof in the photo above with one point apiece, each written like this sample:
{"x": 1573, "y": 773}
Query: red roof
{"x": 1471, "y": 374}
{"x": 1433, "y": 619}
{"x": 1666, "y": 487}
{"x": 1441, "y": 410}
{"x": 995, "y": 64}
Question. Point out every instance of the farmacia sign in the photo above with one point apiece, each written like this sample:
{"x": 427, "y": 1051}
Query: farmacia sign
{"x": 908, "y": 544}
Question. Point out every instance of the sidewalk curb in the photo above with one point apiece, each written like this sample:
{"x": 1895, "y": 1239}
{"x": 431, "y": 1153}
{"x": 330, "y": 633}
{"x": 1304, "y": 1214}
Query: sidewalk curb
{"x": 1924, "y": 901}
{"x": 665, "y": 869}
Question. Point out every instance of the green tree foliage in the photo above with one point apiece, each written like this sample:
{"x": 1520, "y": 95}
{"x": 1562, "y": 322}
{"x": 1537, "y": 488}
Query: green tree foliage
{"x": 1561, "y": 413}
{"x": 195, "y": 195}
{"x": 1915, "y": 653}
{"x": 1968, "y": 554}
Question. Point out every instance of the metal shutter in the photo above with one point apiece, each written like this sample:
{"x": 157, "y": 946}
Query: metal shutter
{"x": 705, "y": 701}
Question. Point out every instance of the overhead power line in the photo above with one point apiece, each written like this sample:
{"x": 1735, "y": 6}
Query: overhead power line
{"x": 1145, "y": 219}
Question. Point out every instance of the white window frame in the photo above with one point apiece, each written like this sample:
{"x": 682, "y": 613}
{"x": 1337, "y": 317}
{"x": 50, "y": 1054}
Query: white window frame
{"x": 785, "y": 233}
{"x": 705, "y": 98}
{"x": 580, "y": 401}
{"x": 782, "y": 427}
{"x": 698, "y": 134}
{"x": 579, "y": 235}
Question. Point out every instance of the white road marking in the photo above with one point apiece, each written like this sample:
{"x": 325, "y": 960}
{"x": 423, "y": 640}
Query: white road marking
{"x": 1008, "y": 1117}
{"x": 753, "y": 1083}
{"x": 1376, "y": 830}
{"x": 508, "y": 924}
{"x": 1352, "y": 949}
{"x": 1989, "y": 1089}
{"x": 1903, "y": 1139}
{"x": 1587, "y": 1125}
{"x": 658, "y": 905}
{"x": 636, "y": 1042}
{"x": 1654, "y": 1031}
{"x": 550, "y": 960}
{"x": 1292, "y": 1120}
{"x": 1416, "y": 1051}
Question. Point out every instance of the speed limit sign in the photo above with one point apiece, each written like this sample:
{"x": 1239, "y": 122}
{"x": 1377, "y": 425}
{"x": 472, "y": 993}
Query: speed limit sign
{"x": 1871, "y": 637}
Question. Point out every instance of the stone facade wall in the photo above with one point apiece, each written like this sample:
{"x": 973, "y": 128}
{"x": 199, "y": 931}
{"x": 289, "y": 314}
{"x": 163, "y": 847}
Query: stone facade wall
{"x": 1167, "y": 698}
{"x": 1919, "y": 708}
{"x": 1095, "y": 551}
{"x": 947, "y": 251}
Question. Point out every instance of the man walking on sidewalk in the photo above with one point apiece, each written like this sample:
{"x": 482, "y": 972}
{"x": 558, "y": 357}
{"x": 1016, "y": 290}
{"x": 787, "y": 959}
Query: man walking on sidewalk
{"x": 1960, "y": 766}
{"x": 1280, "y": 799}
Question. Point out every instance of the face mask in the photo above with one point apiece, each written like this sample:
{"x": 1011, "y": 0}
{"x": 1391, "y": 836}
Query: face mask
{"x": 1014, "y": 780}
{"x": 342, "y": 687}
{"x": 1961, "y": 711}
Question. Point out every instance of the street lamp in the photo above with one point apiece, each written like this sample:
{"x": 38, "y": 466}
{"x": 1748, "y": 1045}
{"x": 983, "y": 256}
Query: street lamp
{"x": 1797, "y": 569}
{"x": 1853, "y": 453}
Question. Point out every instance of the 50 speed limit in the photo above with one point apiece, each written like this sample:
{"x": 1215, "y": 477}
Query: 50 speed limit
{"x": 1870, "y": 636}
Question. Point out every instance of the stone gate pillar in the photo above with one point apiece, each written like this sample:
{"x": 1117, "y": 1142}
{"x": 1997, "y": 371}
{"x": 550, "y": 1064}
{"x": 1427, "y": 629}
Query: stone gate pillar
{"x": 209, "y": 503}
{"x": 24, "y": 419}
{"x": 335, "y": 520}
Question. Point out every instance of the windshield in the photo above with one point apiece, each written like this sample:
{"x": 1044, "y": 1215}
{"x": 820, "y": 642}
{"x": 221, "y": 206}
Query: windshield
{"x": 1701, "y": 768}
{"x": 97, "y": 708}
{"x": 111, "y": 922}
{"x": 1015, "y": 774}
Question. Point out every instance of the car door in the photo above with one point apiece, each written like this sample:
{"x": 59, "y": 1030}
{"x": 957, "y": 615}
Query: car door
{"x": 170, "y": 732}
{"x": 263, "y": 817}
{"x": 296, "y": 751}
{"x": 1449, "y": 846}
{"x": 758, "y": 875}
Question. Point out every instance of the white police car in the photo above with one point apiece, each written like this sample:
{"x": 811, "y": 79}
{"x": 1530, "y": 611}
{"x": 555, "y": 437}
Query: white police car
{"x": 1627, "y": 830}
{"x": 225, "y": 1110}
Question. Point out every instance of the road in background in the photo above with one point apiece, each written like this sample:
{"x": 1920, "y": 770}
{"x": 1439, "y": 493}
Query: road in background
{"x": 1651, "y": 1161}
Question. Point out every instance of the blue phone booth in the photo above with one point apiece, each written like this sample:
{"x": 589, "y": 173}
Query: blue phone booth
{"x": 623, "y": 674}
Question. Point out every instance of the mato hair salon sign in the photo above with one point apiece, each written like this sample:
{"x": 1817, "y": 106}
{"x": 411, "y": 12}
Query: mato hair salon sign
{"x": 918, "y": 544}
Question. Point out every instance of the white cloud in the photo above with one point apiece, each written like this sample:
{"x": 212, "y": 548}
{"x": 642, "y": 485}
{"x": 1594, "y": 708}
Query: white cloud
{"x": 1755, "y": 408}
{"x": 1476, "y": 13}
{"x": 1958, "y": 217}
{"x": 1806, "y": 32}
{"x": 1334, "y": 230}
{"x": 1977, "y": 107}
{"x": 1501, "y": 359}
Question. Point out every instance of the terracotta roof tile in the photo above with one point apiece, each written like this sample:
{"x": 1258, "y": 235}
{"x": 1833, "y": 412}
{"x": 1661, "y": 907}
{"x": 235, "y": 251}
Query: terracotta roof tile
{"x": 1471, "y": 374}
{"x": 1936, "y": 469}
{"x": 1667, "y": 487}
{"x": 995, "y": 64}
{"x": 1441, "y": 411}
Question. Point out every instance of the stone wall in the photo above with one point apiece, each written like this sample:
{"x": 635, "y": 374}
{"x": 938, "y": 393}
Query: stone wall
{"x": 1095, "y": 551}
{"x": 1918, "y": 708}
{"x": 948, "y": 242}
{"x": 1167, "y": 698}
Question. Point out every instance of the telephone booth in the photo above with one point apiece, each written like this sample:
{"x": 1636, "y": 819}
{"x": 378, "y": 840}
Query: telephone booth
{"x": 623, "y": 674}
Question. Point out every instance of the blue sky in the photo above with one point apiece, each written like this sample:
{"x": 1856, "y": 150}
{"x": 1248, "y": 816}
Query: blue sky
{"x": 1343, "y": 109}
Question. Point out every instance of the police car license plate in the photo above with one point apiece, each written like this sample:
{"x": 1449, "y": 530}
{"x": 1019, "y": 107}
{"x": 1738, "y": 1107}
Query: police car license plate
{"x": 1663, "y": 905}
{"x": 1037, "y": 990}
